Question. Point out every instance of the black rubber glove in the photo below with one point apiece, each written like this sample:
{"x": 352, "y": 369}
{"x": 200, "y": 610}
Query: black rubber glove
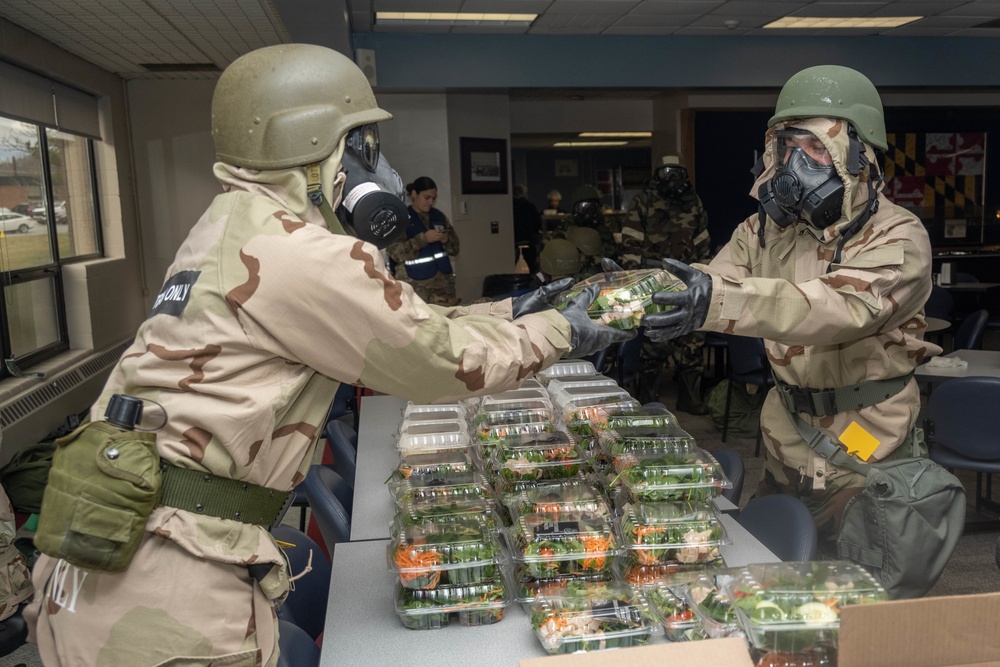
{"x": 587, "y": 336}
{"x": 608, "y": 265}
{"x": 691, "y": 304}
{"x": 538, "y": 300}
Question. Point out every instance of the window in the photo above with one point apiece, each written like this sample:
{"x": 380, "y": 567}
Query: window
{"x": 48, "y": 217}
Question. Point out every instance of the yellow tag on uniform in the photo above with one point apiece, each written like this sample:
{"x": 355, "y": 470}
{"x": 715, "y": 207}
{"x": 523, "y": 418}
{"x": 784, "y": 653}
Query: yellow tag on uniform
{"x": 859, "y": 441}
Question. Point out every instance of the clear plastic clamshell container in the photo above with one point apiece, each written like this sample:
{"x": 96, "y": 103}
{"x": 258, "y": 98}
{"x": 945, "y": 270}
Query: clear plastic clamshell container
{"x": 710, "y": 596}
{"x": 482, "y": 603}
{"x": 795, "y": 606}
{"x": 431, "y": 436}
{"x": 431, "y": 554}
{"x": 515, "y": 399}
{"x": 418, "y": 411}
{"x": 549, "y": 544}
{"x": 490, "y": 437}
{"x": 649, "y": 417}
{"x": 679, "y": 622}
{"x": 564, "y": 369}
{"x": 444, "y": 493}
{"x": 658, "y": 478}
{"x": 406, "y": 517}
{"x": 431, "y": 463}
{"x": 573, "y": 495}
{"x": 485, "y": 420}
{"x": 529, "y": 588}
{"x": 625, "y": 296}
{"x": 586, "y": 416}
{"x": 595, "y": 617}
{"x": 596, "y": 380}
{"x": 672, "y": 532}
{"x": 659, "y": 440}
{"x": 533, "y": 457}
{"x": 574, "y": 393}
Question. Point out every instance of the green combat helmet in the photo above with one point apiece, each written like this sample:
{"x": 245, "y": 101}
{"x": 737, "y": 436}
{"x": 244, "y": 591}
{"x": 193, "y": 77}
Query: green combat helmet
{"x": 585, "y": 193}
{"x": 832, "y": 91}
{"x": 587, "y": 240}
{"x": 289, "y": 105}
{"x": 559, "y": 258}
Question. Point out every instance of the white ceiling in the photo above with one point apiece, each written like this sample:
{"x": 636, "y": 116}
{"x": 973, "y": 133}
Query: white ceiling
{"x": 123, "y": 35}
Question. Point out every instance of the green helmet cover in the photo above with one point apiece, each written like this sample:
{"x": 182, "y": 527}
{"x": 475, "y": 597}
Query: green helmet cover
{"x": 559, "y": 258}
{"x": 587, "y": 239}
{"x": 288, "y": 105}
{"x": 832, "y": 91}
{"x": 585, "y": 193}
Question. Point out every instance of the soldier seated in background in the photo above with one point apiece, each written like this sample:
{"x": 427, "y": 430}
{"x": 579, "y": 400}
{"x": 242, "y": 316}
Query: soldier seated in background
{"x": 667, "y": 219}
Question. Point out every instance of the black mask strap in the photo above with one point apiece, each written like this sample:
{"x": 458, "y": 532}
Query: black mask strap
{"x": 870, "y": 209}
{"x": 314, "y": 188}
{"x": 757, "y": 169}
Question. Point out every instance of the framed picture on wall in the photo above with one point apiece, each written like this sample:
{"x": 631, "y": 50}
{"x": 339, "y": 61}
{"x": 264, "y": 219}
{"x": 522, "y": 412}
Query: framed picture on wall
{"x": 484, "y": 166}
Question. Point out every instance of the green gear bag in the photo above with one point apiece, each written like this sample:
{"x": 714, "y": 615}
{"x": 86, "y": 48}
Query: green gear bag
{"x": 103, "y": 485}
{"x": 744, "y": 409}
{"x": 24, "y": 476}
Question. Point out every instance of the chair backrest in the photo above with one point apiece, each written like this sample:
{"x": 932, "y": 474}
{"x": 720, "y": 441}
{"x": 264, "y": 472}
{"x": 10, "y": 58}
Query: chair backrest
{"x": 748, "y": 360}
{"x": 343, "y": 442}
{"x": 940, "y": 303}
{"x": 296, "y": 648}
{"x": 306, "y": 603}
{"x": 732, "y": 465}
{"x": 963, "y": 414}
{"x": 970, "y": 332}
{"x": 327, "y": 491}
{"x": 783, "y": 524}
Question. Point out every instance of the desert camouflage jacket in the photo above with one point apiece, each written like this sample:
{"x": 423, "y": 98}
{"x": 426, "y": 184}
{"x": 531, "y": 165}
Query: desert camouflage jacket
{"x": 830, "y": 325}
{"x": 657, "y": 227}
{"x": 264, "y": 311}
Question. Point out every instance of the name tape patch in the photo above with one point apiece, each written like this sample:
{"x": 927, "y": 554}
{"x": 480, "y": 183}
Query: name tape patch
{"x": 174, "y": 295}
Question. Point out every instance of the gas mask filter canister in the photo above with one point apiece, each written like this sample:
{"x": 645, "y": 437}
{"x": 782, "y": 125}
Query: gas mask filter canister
{"x": 372, "y": 205}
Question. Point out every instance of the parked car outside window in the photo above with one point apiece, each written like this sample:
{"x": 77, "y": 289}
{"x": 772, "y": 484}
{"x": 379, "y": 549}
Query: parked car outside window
{"x": 37, "y": 211}
{"x": 15, "y": 222}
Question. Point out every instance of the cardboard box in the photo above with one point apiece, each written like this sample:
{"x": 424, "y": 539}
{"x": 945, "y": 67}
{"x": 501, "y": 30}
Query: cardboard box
{"x": 728, "y": 652}
{"x": 951, "y": 631}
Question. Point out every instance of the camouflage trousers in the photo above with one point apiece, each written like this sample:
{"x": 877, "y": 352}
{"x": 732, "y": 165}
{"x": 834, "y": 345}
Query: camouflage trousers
{"x": 168, "y": 608}
{"x": 686, "y": 352}
{"x": 439, "y": 290}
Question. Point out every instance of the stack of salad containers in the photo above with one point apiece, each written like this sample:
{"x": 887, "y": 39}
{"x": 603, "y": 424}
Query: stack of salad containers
{"x": 444, "y": 548}
{"x": 624, "y": 296}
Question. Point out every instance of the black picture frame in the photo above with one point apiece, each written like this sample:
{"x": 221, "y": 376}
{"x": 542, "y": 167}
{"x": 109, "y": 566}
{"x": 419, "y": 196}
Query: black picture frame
{"x": 484, "y": 166}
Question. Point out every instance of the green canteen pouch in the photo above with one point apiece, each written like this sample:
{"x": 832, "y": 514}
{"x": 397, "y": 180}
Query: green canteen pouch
{"x": 103, "y": 485}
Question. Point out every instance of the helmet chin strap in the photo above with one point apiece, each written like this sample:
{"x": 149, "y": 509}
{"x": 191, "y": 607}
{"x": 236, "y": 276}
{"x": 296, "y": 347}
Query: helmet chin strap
{"x": 314, "y": 188}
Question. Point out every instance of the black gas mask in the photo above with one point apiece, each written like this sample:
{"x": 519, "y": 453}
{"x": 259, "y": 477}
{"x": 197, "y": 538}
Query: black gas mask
{"x": 805, "y": 185}
{"x": 671, "y": 180}
{"x": 372, "y": 204}
{"x": 587, "y": 213}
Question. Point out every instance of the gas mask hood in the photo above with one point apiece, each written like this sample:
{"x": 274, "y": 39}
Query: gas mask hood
{"x": 372, "y": 207}
{"x": 805, "y": 185}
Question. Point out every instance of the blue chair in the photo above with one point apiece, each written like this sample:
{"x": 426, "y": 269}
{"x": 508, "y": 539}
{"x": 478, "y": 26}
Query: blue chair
{"x": 305, "y": 605}
{"x": 970, "y": 332}
{"x": 749, "y": 365}
{"x": 296, "y": 648}
{"x": 783, "y": 524}
{"x": 940, "y": 303}
{"x": 962, "y": 427}
{"x": 732, "y": 465}
{"x": 343, "y": 443}
{"x": 331, "y": 499}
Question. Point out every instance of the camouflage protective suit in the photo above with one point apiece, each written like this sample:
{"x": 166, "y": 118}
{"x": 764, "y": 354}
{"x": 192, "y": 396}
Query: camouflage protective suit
{"x": 655, "y": 227}
{"x": 592, "y": 263}
{"x": 15, "y": 578}
{"x": 278, "y": 313}
{"x": 440, "y": 289}
{"x": 861, "y": 320}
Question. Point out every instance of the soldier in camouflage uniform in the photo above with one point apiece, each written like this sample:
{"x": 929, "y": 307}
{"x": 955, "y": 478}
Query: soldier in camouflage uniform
{"x": 267, "y": 308}
{"x": 833, "y": 276}
{"x": 667, "y": 219}
{"x": 15, "y": 578}
{"x": 422, "y": 258}
{"x": 587, "y": 214}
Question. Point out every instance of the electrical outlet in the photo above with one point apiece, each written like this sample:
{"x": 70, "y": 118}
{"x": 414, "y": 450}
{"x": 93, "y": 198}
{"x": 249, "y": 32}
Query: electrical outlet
{"x": 494, "y": 227}
{"x": 465, "y": 208}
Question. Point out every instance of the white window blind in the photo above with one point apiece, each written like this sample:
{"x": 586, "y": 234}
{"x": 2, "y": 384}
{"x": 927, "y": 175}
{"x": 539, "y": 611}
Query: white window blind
{"x": 30, "y": 97}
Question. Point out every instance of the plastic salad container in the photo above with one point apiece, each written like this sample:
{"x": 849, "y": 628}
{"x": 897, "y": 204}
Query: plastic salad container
{"x": 518, "y": 399}
{"x": 483, "y": 603}
{"x": 567, "y": 395}
{"x": 573, "y": 495}
{"x": 664, "y": 533}
{"x": 625, "y": 296}
{"x": 430, "y": 554}
{"x": 642, "y": 575}
{"x": 431, "y": 463}
{"x": 431, "y": 436}
{"x": 584, "y": 417}
{"x": 548, "y": 544}
{"x": 407, "y": 517}
{"x": 538, "y": 456}
{"x": 658, "y": 478}
{"x": 596, "y": 380}
{"x": 459, "y": 409}
{"x": 529, "y": 588}
{"x": 679, "y": 622}
{"x": 593, "y": 617}
{"x": 795, "y": 606}
{"x": 710, "y": 597}
{"x": 444, "y": 493}
{"x": 649, "y": 417}
{"x": 564, "y": 369}
{"x": 659, "y": 440}
{"x": 486, "y": 420}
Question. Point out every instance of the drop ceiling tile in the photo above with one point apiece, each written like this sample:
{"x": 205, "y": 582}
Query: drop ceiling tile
{"x": 745, "y": 8}
{"x": 682, "y": 7}
{"x": 506, "y": 6}
{"x": 654, "y": 20}
{"x": 837, "y": 9}
{"x": 983, "y": 8}
{"x": 417, "y": 5}
{"x": 615, "y": 7}
{"x": 954, "y": 22}
{"x": 640, "y": 30}
{"x": 719, "y": 21}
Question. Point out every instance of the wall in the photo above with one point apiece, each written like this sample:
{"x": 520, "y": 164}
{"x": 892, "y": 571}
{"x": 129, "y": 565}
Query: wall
{"x": 174, "y": 155}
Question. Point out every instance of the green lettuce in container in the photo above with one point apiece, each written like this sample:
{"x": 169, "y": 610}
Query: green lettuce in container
{"x": 625, "y": 296}
{"x": 482, "y": 603}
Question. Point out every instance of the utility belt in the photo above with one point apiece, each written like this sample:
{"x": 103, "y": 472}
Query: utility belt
{"x": 828, "y": 402}
{"x": 211, "y": 495}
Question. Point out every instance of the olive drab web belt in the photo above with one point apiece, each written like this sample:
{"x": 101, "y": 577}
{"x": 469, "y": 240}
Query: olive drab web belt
{"x": 204, "y": 493}
{"x": 827, "y": 402}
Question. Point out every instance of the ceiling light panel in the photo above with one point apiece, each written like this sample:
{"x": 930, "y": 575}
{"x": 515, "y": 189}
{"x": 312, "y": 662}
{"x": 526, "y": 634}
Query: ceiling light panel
{"x": 833, "y": 23}
{"x": 588, "y": 144}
